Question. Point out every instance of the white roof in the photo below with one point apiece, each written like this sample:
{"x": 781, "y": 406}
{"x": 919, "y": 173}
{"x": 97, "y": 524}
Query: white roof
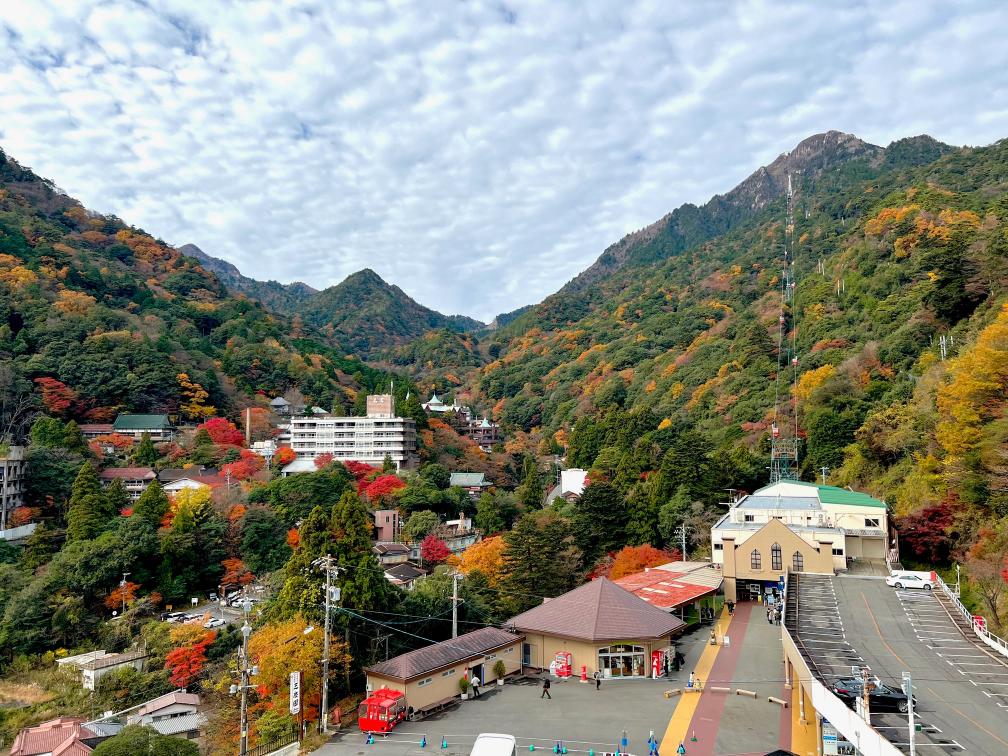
{"x": 299, "y": 466}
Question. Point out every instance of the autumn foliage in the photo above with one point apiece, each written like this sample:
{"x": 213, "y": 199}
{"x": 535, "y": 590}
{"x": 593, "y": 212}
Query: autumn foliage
{"x": 323, "y": 460}
{"x": 633, "y": 559}
{"x": 433, "y": 550}
{"x": 235, "y": 572}
{"x": 487, "y": 556}
{"x": 284, "y": 456}
{"x": 58, "y": 398}
{"x": 222, "y": 431}
{"x": 359, "y": 470}
{"x": 184, "y": 664}
{"x": 122, "y": 592}
{"x": 382, "y": 487}
{"x": 248, "y": 464}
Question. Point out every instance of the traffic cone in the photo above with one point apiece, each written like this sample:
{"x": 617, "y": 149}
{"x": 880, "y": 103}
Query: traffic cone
{"x": 693, "y": 739}
{"x": 370, "y": 739}
{"x": 423, "y": 741}
{"x": 531, "y": 746}
{"x": 444, "y": 743}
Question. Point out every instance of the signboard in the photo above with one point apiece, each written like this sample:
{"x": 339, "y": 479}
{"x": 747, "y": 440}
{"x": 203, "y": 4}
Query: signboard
{"x": 295, "y": 692}
{"x": 194, "y": 601}
{"x": 833, "y": 743}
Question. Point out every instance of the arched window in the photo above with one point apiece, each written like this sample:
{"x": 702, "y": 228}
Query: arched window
{"x": 776, "y": 562}
{"x": 798, "y": 561}
{"x": 755, "y": 561}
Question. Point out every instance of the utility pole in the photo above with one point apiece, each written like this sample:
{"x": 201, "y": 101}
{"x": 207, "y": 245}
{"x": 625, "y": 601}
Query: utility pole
{"x": 908, "y": 689}
{"x": 865, "y": 694}
{"x": 246, "y": 672}
{"x": 331, "y": 570}
{"x": 681, "y": 533}
{"x": 456, "y": 576}
{"x": 825, "y": 471}
{"x": 122, "y": 590}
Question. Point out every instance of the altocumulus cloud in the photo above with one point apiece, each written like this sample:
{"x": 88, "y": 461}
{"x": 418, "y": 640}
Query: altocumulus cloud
{"x": 478, "y": 154}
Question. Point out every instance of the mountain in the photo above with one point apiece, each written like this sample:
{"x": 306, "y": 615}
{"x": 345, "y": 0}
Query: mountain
{"x": 367, "y": 316}
{"x": 97, "y": 317}
{"x": 285, "y": 299}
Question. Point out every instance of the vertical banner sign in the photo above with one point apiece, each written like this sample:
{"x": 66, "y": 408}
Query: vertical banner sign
{"x": 295, "y": 692}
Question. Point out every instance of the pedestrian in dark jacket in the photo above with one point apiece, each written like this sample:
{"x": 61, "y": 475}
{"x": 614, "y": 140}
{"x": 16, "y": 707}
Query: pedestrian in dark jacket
{"x": 598, "y": 679}
{"x": 546, "y": 687}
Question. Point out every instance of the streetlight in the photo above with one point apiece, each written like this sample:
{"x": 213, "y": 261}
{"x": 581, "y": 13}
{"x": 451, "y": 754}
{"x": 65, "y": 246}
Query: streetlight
{"x": 122, "y": 589}
{"x": 246, "y": 672}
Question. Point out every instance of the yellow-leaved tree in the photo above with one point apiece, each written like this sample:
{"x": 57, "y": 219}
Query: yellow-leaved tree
{"x": 487, "y": 556}
{"x": 194, "y": 406}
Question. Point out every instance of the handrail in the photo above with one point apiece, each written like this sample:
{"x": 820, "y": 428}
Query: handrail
{"x": 994, "y": 641}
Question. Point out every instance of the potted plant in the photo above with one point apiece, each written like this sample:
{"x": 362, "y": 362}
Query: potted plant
{"x": 464, "y": 687}
{"x": 499, "y": 671}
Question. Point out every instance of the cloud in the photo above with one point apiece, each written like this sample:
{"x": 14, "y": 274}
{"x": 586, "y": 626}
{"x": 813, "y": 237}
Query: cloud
{"x": 477, "y": 154}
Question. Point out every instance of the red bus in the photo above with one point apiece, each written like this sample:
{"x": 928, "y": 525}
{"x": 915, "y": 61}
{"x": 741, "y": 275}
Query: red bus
{"x": 382, "y": 710}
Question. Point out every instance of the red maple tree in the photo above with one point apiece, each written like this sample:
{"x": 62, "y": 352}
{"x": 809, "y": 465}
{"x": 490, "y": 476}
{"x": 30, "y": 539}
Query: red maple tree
{"x": 247, "y": 465}
{"x": 115, "y": 599}
{"x": 184, "y": 664}
{"x": 222, "y": 431}
{"x": 58, "y": 398}
{"x": 235, "y": 572}
{"x": 284, "y": 456}
{"x": 434, "y": 550}
{"x": 323, "y": 460}
{"x": 359, "y": 470}
{"x": 383, "y": 486}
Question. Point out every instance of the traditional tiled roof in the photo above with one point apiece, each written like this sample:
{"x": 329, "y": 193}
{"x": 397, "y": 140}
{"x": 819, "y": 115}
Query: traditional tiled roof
{"x": 57, "y": 736}
{"x": 97, "y": 428}
{"x": 127, "y": 473}
{"x": 468, "y": 479}
{"x": 168, "y": 474}
{"x": 596, "y": 611}
{"x": 404, "y": 573}
{"x": 141, "y": 422}
{"x": 384, "y": 549}
{"x": 445, "y": 654}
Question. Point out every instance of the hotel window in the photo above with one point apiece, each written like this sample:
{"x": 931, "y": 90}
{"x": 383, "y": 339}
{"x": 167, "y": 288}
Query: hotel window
{"x": 776, "y": 563}
{"x": 798, "y": 562}
{"x": 750, "y": 518}
{"x": 718, "y": 546}
{"x": 755, "y": 560}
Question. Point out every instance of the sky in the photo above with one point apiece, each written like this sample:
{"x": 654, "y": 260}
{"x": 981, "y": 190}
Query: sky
{"x": 478, "y": 154}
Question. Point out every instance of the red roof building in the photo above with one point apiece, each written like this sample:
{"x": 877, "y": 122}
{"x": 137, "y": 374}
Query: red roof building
{"x": 673, "y": 586}
{"x": 59, "y": 737}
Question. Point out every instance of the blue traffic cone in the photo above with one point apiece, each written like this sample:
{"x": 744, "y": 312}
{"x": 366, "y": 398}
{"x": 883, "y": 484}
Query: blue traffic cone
{"x": 556, "y": 747}
{"x": 423, "y": 741}
{"x": 591, "y": 752}
{"x": 531, "y": 746}
{"x": 370, "y": 738}
{"x": 444, "y": 743}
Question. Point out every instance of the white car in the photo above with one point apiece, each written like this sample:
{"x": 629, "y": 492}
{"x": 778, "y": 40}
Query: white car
{"x": 903, "y": 580}
{"x": 216, "y": 622}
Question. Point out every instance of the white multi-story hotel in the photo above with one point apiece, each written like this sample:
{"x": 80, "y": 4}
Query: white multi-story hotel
{"x": 360, "y": 439}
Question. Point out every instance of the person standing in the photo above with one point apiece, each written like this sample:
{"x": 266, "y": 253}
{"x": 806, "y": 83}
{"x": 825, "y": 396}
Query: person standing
{"x": 598, "y": 679}
{"x": 545, "y": 689}
{"x": 475, "y": 683}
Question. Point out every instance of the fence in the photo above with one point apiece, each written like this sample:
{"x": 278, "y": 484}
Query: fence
{"x": 996, "y": 642}
{"x": 277, "y": 743}
{"x": 16, "y": 534}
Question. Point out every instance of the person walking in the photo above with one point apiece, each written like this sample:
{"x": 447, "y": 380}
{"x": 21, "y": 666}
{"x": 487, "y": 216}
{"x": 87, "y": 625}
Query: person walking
{"x": 545, "y": 689}
{"x": 474, "y": 684}
{"x": 598, "y": 679}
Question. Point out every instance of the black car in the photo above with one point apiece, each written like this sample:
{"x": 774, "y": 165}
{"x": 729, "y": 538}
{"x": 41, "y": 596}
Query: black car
{"x": 881, "y": 697}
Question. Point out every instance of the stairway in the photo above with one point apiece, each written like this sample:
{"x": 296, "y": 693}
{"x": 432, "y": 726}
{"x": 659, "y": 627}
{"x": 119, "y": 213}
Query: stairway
{"x": 965, "y": 626}
{"x": 791, "y": 606}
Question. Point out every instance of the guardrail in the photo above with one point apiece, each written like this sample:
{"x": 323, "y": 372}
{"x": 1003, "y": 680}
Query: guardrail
{"x": 994, "y": 641}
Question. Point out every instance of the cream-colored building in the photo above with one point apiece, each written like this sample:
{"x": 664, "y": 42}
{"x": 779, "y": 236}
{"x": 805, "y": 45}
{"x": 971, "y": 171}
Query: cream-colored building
{"x": 429, "y": 676}
{"x": 602, "y": 626}
{"x": 828, "y": 528}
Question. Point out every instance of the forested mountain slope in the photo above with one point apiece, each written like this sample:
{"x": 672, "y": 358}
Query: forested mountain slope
{"x": 111, "y": 316}
{"x": 917, "y": 245}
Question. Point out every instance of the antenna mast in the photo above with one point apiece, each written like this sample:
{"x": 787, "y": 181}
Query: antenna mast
{"x": 784, "y": 443}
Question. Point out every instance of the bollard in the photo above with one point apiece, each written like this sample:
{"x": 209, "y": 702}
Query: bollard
{"x": 744, "y": 692}
{"x": 719, "y": 689}
{"x": 423, "y": 741}
{"x": 780, "y": 701}
{"x": 444, "y": 742}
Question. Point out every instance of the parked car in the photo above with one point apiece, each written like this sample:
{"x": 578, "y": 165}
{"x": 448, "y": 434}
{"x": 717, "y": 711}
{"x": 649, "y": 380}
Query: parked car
{"x": 213, "y": 596}
{"x": 881, "y": 698}
{"x": 216, "y": 622}
{"x": 172, "y": 616}
{"x": 901, "y": 580}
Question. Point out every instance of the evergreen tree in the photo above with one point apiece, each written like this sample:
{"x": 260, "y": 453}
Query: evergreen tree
{"x": 47, "y": 433}
{"x": 363, "y": 583}
{"x": 116, "y": 497}
{"x": 263, "y": 541}
{"x": 489, "y": 517}
{"x": 531, "y": 493}
{"x": 540, "y": 560}
{"x": 600, "y": 522}
{"x": 672, "y": 514}
{"x": 642, "y": 518}
{"x": 73, "y": 439}
{"x": 88, "y": 513}
{"x": 303, "y": 586}
{"x": 388, "y": 466}
{"x": 152, "y": 505}
{"x": 145, "y": 453}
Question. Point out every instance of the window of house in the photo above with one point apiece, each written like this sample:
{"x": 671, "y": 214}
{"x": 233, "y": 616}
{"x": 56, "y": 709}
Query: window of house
{"x": 750, "y": 518}
{"x": 448, "y": 673}
{"x": 798, "y": 561}
{"x": 422, "y": 683}
{"x": 871, "y": 522}
{"x": 837, "y": 552}
{"x": 755, "y": 560}
{"x": 718, "y": 547}
{"x": 776, "y": 562}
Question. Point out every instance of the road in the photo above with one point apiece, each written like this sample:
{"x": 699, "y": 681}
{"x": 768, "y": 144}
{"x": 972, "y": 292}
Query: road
{"x": 958, "y": 686}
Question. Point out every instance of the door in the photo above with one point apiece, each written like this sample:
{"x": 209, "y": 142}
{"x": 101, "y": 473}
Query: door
{"x": 477, "y": 671}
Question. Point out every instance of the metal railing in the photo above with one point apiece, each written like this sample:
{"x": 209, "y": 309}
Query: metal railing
{"x": 276, "y": 744}
{"x": 994, "y": 641}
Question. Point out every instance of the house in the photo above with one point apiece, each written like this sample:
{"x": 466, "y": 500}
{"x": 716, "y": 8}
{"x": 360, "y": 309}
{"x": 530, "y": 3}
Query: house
{"x": 169, "y": 474}
{"x": 135, "y": 479}
{"x": 460, "y": 526}
{"x": 284, "y": 408}
{"x": 484, "y": 433}
{"x": 12, "y": 481}
{"x": 158, "y": 427}
{"x": 572, "y": 485}
{"x": 193, "y": 483}
{"x": 474, "y": 483}
{"x": 175, "y": 713}
{"x": 391, "y": 553}
{"x": 602, "y": 626}
{"x": 95, "y": 669}
{"x": 91, "y": 431}
{"x": 298, "y": 466}
{"x": 676, "y": 586}
{"x": 815, "y": 528}
{"x": 64, "y": 736}
{"x": 429, "y": 675}
{"x": 404, "y": 575}
{"x": 387, "y": 524}
{"x": 369, "y": 439}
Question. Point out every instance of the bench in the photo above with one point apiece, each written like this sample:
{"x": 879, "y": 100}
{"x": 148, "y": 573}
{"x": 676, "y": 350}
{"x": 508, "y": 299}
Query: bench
{"x": 433, "y": 708}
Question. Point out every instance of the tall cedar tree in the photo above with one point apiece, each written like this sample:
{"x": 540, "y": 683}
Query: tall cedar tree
{"x": 600, "y": 522}
{"x": 152, "y": 505}
{"x": 540, "y": 560}
{"x": 145, "y": 453}
{"x": 89, "y": 512}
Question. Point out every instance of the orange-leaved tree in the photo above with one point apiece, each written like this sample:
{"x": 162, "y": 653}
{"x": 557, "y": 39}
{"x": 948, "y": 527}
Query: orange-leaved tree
{"x": 185, "y": 663}
{"x": 487, "y": 556}
{"x": 121, "y": 593}
{"x": 633, "y": 559}
{"x": 235, "y": 572}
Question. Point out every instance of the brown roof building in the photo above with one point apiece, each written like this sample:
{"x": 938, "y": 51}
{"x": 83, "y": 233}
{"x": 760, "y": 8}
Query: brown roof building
{"x": 601, "y": 626}
{"x": 429, "y": 676}
{"x": 57, "y": 737}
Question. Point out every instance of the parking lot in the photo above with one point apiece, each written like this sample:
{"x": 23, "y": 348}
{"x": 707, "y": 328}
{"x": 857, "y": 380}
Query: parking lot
{"x": 955, "y": 683}
{"x": 581, "y": 718}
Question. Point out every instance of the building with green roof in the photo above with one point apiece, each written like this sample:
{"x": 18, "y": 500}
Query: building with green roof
{"x": 158, "y": 427}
